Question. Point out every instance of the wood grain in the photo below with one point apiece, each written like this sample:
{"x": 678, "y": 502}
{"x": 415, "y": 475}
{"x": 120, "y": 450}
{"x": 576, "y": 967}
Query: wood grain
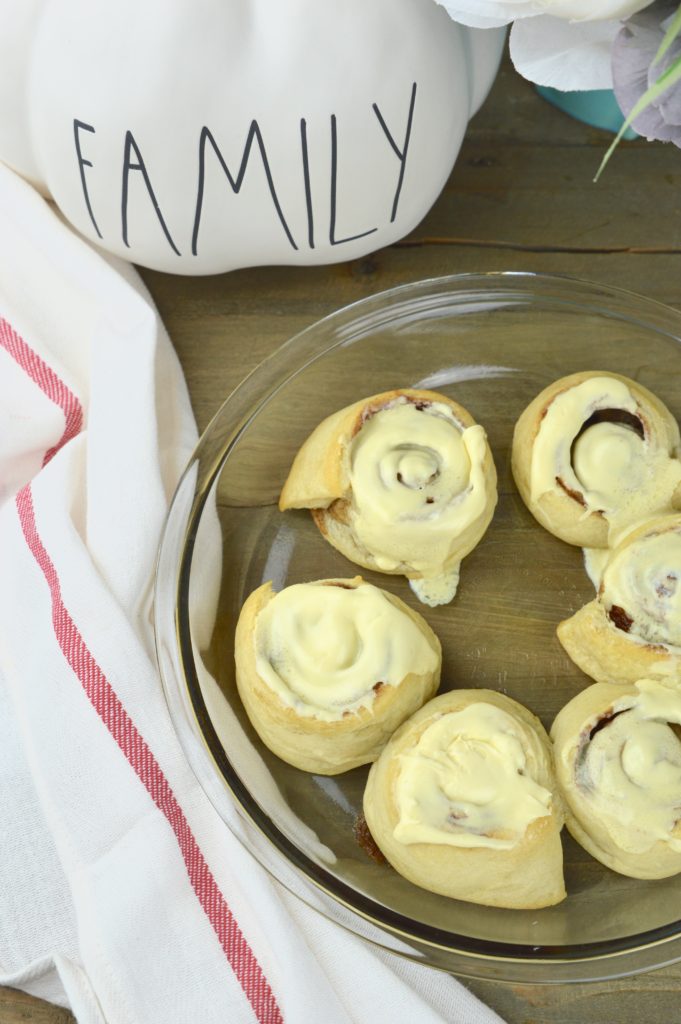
{"x": 520, "y": 198}
{"x": 18, "y": 1008}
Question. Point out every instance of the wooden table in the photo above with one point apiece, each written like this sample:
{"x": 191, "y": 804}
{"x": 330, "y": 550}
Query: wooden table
{"x": 520, "y": 198}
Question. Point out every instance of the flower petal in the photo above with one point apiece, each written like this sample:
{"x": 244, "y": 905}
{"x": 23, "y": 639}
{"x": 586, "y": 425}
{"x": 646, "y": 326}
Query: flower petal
{"x": 633, "y": 52}
{"x": 565, "y": 55}
{"x": 587, "y": 10}
{"x": 487, "y": 13}
{"x": 492, "y": 13}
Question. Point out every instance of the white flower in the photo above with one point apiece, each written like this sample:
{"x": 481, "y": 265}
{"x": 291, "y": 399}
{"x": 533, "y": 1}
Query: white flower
{"x": 562, "y": 43}
{"x": 490, "y": 13}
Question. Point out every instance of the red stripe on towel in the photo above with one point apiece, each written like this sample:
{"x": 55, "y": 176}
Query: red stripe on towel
{"x": 48, "y": 382}
{"x": 110, "y": 709}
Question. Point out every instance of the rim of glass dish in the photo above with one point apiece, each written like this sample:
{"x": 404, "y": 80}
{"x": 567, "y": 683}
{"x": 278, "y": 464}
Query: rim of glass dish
{"x": 350, "y": 324}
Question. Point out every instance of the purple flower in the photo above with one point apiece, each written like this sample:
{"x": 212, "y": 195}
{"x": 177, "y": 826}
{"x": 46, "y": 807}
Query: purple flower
{"x": 633, "y": 53}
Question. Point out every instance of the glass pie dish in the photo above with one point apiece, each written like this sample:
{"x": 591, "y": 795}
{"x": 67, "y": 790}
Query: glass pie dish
{"x": 492, "y": 342}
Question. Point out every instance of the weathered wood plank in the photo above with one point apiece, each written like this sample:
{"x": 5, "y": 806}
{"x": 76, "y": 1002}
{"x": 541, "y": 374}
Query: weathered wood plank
{"x": 649, "y": 997}
{"x": 18, "y": 1008}
{"x": 236, "y": 321}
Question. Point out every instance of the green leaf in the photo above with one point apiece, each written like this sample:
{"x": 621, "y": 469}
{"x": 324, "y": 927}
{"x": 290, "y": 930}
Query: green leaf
{"x": 667, "y": 79}
{"x": 669, "y": 37}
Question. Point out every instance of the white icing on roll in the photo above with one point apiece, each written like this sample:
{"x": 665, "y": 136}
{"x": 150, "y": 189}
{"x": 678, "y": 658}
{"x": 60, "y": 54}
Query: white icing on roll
{"x": 613, "y": 469}
{"x": 629, "y": 772}
{"x": 595, "y": 560}
{"x": 417, "y": 482}
{"x": 468, "y": 781}
{"x": 643, "y": 579}
{"x": 323, "y": 648}
{"x": 609, "y": 462}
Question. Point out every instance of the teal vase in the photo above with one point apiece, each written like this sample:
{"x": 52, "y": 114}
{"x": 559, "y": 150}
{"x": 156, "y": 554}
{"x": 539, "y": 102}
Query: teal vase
{"x": 597, "y": 107}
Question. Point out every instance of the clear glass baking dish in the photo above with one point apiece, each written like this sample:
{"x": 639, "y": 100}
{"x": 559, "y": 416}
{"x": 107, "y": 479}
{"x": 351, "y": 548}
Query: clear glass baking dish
{"x": 491, "y": 341}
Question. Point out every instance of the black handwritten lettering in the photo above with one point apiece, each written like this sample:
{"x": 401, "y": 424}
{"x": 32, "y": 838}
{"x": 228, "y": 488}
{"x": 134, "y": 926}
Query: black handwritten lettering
{"x": 400, "y": 154}
{"x": 306, "y": 178}
{"x": 133, "y": 161}
{"x": 82, "y": 164}
{"x": 128, "y": 166}
{"x": 236, "y": 183}
{"x": 334, "y": 185}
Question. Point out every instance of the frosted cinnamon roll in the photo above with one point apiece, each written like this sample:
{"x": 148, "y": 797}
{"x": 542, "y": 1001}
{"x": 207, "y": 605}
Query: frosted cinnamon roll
{"x": 328, "y": 670}
{"x": 632, "y": 628}
{"x": 618, "y": 765}
{"x": 403, "y": 482}
{"x": 595, "y": 453}
{"x": 463, "y": 802}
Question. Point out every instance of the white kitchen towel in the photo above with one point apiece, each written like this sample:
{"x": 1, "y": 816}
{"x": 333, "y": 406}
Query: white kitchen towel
{"x": 122, "y": 894}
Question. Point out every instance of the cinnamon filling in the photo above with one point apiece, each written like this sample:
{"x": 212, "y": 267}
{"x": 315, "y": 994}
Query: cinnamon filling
{"x": 606, "y": 719}
{"x": 668, "y": 587}
{"x": 366, "y": 841}
{"x": 586, "y": 738}
{"x": 619, "y": 618}
{"x": 623, "y": 416}
{"x": 575, "y": 495}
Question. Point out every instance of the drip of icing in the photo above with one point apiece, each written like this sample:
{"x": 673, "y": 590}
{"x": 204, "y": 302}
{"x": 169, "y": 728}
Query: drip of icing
{"x": 436, "y": 590}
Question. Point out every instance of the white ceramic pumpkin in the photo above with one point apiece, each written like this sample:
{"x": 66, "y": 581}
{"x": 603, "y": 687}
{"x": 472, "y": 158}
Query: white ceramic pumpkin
{"x": 197, "y": 136}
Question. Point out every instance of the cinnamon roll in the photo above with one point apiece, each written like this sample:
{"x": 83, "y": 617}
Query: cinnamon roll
{"x": 618, "y": 765}
{"x": 595, "y": 453}
{"x": 328, "y": 670}
{"x": 403, "y": 483}
{"x": 632, "y": 628}
{"x": 463, "y": 802}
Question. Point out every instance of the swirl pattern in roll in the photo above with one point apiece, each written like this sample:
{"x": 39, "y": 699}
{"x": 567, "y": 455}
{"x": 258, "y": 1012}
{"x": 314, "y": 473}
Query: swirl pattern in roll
{"x": 328, "y": 670}
{"x": 463, "y": 802}
{"x": 632, "y": 628}
{"x": 595, "y": 453}
{"x": 618, "y": 764}
{"x": 402, "y": 482}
